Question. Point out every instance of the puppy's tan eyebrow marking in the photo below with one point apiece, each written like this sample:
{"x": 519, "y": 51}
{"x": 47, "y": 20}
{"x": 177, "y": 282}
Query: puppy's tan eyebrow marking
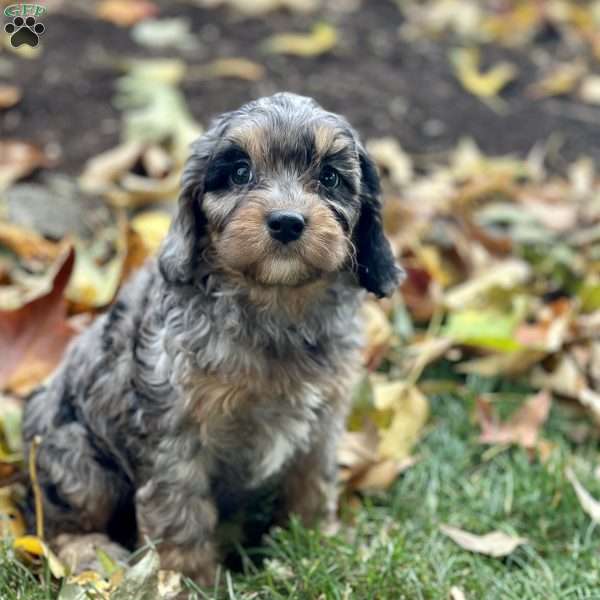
{"x": 252, "y": 138}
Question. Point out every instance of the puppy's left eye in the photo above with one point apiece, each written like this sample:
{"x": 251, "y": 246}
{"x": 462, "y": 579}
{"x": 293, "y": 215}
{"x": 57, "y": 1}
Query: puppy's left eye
{"x": 329, "y": 177}
{"x": 241, "y": 173}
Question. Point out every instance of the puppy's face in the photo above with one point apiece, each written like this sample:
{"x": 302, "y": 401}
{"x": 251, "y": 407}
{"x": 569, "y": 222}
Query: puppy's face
{"x": 281, "y": 197}
{"x": 283, "y": 194}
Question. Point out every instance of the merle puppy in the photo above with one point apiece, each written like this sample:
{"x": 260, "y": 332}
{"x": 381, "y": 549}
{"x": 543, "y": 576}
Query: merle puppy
{"x": 224, "y": 369}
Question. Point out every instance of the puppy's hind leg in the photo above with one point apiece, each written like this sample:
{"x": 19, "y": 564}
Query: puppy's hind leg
{"x": 81, "y": 489}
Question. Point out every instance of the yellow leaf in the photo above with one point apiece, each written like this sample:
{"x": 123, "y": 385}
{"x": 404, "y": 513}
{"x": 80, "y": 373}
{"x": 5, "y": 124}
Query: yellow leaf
{"x": 466, "y": 63}
{"x": 32, "y": 546}
{"x": 410, "y": 412}
{"x": 152, "y": 227}
{"x": 378, "y": 332}
{"x": 561, "y": 80}
{"x": 234, "y": 68}
{"x": 11, "y": 520}
{"x": 322, "y": 38}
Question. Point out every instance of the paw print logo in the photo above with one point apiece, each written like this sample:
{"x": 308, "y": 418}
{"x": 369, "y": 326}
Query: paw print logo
{"x": 24, "y": 31}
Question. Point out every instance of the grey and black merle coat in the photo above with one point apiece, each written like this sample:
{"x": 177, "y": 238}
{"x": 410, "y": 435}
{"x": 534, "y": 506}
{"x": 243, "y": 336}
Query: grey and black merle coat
{"x": 224, "y": 368}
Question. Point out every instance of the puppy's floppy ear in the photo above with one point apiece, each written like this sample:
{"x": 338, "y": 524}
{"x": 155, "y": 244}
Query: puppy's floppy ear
{"x": 187, "y": 235}
{"x": 377, "y": 268}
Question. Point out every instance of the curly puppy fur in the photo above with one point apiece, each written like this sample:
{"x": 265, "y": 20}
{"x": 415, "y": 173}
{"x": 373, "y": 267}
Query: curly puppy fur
{"x": 223, "y": 370}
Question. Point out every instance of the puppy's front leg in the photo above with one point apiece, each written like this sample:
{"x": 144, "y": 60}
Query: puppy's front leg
{"x": 175, "y": 509}
{"x": 310, "y": 488}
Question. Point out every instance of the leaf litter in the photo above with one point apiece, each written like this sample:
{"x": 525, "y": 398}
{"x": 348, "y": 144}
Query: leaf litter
{"x": 501, "y": 254}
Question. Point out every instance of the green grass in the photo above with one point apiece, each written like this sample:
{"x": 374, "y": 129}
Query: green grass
{"x": 392, "y": 548}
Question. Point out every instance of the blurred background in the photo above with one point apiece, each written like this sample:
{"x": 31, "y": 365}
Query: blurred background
{"x": 484, "y": 119}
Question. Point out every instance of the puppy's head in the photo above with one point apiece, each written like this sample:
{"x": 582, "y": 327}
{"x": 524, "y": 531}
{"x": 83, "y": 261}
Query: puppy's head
{"x": 282, "y": 193}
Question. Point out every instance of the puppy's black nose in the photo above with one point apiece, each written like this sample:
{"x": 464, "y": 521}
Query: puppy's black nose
{"x": 285, "y": 225}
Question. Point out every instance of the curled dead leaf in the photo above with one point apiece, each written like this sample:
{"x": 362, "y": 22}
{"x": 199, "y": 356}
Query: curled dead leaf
{"x": 590, "y": 505}
{"x": 523, "y": 426}
{"x": 320, "y": 40}
{"x": 34, "y": 337}
{"x": 18, "y": 159}
{"x": 127, "y": 13}
{"x": 496, "y": 543}
{"x": 229, "y": 68}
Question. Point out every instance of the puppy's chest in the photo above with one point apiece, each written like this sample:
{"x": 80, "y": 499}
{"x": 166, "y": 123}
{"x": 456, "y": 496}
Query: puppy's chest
{"x": 253, "y": 434}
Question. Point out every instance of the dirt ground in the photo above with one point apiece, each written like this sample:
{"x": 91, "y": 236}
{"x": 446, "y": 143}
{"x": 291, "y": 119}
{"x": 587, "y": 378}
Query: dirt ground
{"x": 384, "y": 85}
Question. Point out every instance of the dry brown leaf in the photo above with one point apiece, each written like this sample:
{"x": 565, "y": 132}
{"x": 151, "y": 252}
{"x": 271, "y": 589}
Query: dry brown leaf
{"x": 361, "y": 468}
{"x": 588, "y": 503}
{"x": 18, "y": 159}
{"x": 320, "y": 40}
{"x": 33, "y": 338}
{"x": 496, "y": 543}
{"x": 9, "y": 96}
{"x": 126, "y": 12}
{"x": 104, "y": 170}
{"x": 27, "y": 244}
{"x": 523, "y": 426}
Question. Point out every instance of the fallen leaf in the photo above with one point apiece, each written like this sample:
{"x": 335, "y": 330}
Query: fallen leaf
{"x": 34, "y": 337}
{"x": 18, "y": 159}
{"x": 102, "y": 171}
{"x": 34, "y": 548}
{"x": 165, "y": 33}
{"x": 457, "y": 594}
{"x": 590, "y": 89}
{"x": 523, "y": 426}
{"x": 9, "y": 96}
{"x": 559, "y": 81}
{"x": 322, "y": 39}
{"x": 141, "y": 580}
{"x": 26, "y": 243}
{"x": 389, "y": 155}
{"x": 152, "y": 227}
{"x": 466, "y": 63}
{"x": 378, "y": 333}
{"x": 228, "y": 68}
{"x": 410, "y": 411}
{"x": 95, "y": 280}
{"x": 485, "y": 327}
{"x": 588, "y": 503}
{"x": 502, "y": 275}
{"x": 262, "y": 7}
{"x": 11, "y": 521}
{"x": 496, "y": 543}
{"x": 126, "y": 12}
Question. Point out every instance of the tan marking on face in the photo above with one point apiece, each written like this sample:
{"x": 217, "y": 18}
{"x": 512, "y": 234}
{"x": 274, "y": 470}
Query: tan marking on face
{"x": 253, "y": 139}
{"x": 328, "y": 140}
{"x": 245, "y": 247}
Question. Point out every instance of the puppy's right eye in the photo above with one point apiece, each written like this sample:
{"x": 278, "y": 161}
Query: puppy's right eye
{"x": 241, "y": 173}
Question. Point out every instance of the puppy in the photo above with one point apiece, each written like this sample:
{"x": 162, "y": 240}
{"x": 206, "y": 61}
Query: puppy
{"x": 222, "y": 374}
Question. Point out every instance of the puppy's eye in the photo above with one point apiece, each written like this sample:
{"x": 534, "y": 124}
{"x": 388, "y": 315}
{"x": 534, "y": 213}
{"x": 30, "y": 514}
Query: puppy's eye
{"x": 241, "y": 173}
{"x": 329, "y": 177}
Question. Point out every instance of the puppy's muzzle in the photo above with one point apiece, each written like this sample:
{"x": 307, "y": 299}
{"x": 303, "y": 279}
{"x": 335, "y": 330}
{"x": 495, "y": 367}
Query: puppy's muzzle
{"x": 285, "y": 225}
